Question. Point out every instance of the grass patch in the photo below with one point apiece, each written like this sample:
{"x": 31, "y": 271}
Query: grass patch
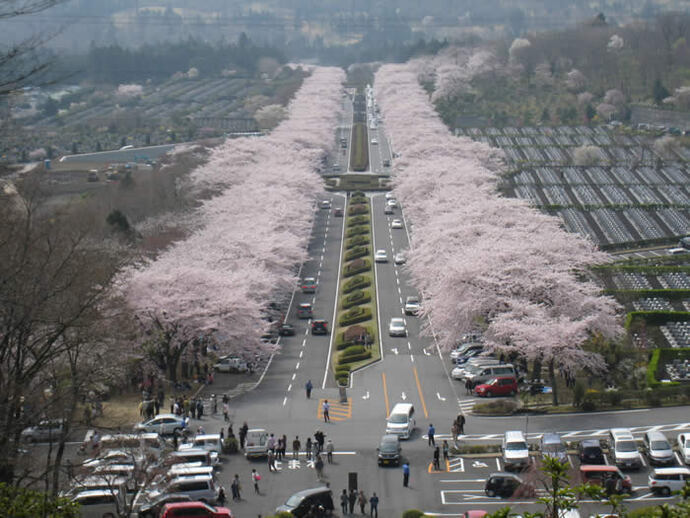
{"x": 357, "y": 266}
{"x": 495, "y": 407}
{"x": 362, "y": 240}
{"x": 355, "y": 316}
{"x": 358, "y": 231}
{"x": 357, "y": 252}
{"x": 356, "y": 298}
{"x": 366, "y": 182}
{"x": 359, "y": 158}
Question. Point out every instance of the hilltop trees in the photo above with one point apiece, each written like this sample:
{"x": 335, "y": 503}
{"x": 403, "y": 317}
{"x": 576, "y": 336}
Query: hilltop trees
{"x": 481, "y": 260}
{"x": 250, "y": 233}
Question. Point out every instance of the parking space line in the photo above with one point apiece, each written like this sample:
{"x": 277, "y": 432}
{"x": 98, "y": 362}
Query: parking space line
{"x": 498, "y": 464}
{"x": 297, "y": 366}
{"x": 289, "y": 387}
{"x": 643, "y": 461}
{"x": 294, "y": 375}
{"x": 285, "y": 401}
{"x": 680, "y": 462}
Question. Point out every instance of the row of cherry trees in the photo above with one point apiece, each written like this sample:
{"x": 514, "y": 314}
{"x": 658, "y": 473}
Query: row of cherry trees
{"x": 250, "y": 233}
{"x": 483, "y": 260}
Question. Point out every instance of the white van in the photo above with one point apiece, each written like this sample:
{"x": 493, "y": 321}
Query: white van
{"x": 209, "y": 458}
{"x": 208, "y": 442}
{"x": 256, "y": 443}
{"x": 515, "y": 450}
{"x": 401, "y": 422}
{"x": 665, "y": 481}
{"x": 624, "y": 449}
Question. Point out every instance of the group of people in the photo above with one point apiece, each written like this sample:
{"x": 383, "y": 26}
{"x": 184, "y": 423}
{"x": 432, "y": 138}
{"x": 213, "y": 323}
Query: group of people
{"x": 349, "y": 500}
{"x": 184, "y": 406}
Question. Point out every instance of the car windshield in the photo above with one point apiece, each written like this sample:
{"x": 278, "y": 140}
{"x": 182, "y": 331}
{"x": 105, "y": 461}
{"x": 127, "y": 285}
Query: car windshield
{"x": 412, "y": 300}
{"x": 388, "y": 446}
{"x": 554, "y": 447}
{"x": 660, "y": 445}
{"x": 397, "y": 418}
{"x": 514, "y": 446}
{"x": 592, "y": 450}
{"x": 626, "y": 446}
{"x": 293, "y": 501}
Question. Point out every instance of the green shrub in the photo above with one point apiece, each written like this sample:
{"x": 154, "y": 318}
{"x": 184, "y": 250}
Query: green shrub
{"x": 352, "y": 358}
{"x": 498, "y": 406}
{"x": 359, "y": 158}
{"x": 359, "y": 251}
{"x": 413, "y": 513}
{"x": 352, "y": 350}
{"x": 230, "y": 445}
{"x": 351, "y": 269}
{"x": 589, "y": 403}
{"x": 355, "y": 315}
{"x": 614, "y": 397}
{"x": 356, "y": 283}
{"x": 360, "y": 240}
{"x": 343, "y": 380}
{"x": 362, "y": 219}
{"x": 473, "y": 449}
{"x": 578, "y": 393}
{"x": 359, "y": 211}
{"x": 355, "y": 298}
{"x": 358, "y": 230}
{"x": 358, "y": 194}
{"x": 342, "y": 368}
{"x": 656, "y": 318}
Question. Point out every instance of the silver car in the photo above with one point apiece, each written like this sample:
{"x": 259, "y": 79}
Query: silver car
{"x": 397, "y": 327}
{"x": 163, "y": 424}
{"x": 44, "y": 431}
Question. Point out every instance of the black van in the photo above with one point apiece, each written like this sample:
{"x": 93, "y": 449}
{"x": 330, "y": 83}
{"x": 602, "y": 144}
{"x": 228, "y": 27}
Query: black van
{"x": 301, "y": 503}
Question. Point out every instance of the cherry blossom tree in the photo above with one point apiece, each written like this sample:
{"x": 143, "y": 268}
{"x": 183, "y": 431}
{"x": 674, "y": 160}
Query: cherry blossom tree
{"x": 483, "y": 260}
{"x": 250, "y": 233}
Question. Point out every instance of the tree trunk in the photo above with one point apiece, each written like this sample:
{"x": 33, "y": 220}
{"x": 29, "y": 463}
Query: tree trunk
{"x": 554, "y": 387}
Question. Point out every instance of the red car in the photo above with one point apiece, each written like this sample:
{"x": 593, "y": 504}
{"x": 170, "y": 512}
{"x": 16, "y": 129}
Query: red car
{"x": 194, "y": 510}
{"x": 498, "y": 386}
{"x": 319, "y": 327}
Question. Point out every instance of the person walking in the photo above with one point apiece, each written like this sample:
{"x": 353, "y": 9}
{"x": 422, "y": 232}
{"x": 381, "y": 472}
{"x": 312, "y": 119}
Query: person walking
{"x": 221, "y": 496}
{"x": 445, "y": 450}
{"x": 468, "y": 387}
{"x": 255, "y": 480}
{"x": 362, "y": 501}
{"x": 437, "y": 464}
{"x": 318, "y": 466}
{"x": 235, "y": 488}
{"x": 343, "y": 501}
{"x": 295, "y": 448}
{"x": 374, "y": 506}
{"x": 460, "y": 420}
{"x": 406, "y": 474}
{"x": 226, "y": 411}
{"x": 308, "y": 387}
{"x": 283, "y": 447}
{"x": 329, "y": 451}
{"x": 325, "y": 407}
{"x": 231, "y": 433}
{"x": 307, "y": 447}
{"x": 319, "y": 437}
{"x": 271, "y": 443}
{"x": 271, "y": 460}
{"x": 430, "y": 433}
{"x": 192, "y": 408}
{"x": 199, "y": 409}
{"x": 243, "y": 434}
{"x": 352, "y": 500}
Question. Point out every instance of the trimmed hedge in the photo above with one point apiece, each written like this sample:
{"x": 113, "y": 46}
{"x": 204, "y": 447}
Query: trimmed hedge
{"x": 360, "y": 209}
{"x": 355, "y": 315}
{"x": 353, "y": 350}
{"x": 498, "y": 406}
{"x": 636, "y": 294}
{"x": 657, "y": 318}
{"x": 343, "y": 380}
{"x": 665, "y": 392}
{"x": 341, "y": 343}
{"x": 356, "y": 283}
{"x": 358, "y": 194}
{"x": 661, "y": 357}
{"x": 356, "y": 298}
{"x": 349, "y": 270}
{"x": 359, "y": 159}
{"x": 356, "y": 253}
{"x": 358, "y": 230}
{"x": 342, "y": 368}
{"x": 355, "y": 357}
{"x": 363, "y": 240}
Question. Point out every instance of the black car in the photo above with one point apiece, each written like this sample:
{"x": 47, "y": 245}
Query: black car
{"x": 286, "y": 330}
{"x": 319, "y": 327}
{"x": 301, "y": 503}
{"x": 502, "y": 484}
{"x": 389, "y": 450}
{"x": 590, "y": 452}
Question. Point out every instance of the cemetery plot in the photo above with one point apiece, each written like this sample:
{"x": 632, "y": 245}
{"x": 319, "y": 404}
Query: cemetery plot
{"x": 653, "y": 304}
{"x": 631, "y": 281}
{"x": 678, "y": 335}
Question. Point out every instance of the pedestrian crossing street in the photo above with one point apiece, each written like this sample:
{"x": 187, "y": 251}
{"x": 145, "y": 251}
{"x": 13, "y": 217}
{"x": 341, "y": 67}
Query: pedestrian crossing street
{"x": 337, "y": 411}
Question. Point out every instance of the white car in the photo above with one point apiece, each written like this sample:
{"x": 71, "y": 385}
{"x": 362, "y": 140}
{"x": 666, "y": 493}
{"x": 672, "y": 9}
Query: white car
{"x": 400, "y": 258}
{"x": 374, "y": 141}
{"x": 684, "y": 447}
{"x": 397, "y": 327}
{"x": 208, "y": 442}
{"x": 231, "y": 364}
{"x": 392, "y": 202}
{"x": 412, "y": 305}
{"x": 381, "y": 256}
{"x": 163, "y": 424}
{"x": 44, "y": 431}
{"x": 390, "y": 195}
{"x": 397, "y": 223}
{"x": 326, "y": 204}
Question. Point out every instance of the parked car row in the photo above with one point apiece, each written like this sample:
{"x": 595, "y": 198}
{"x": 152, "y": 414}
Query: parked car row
{"x": 143, "y": 474}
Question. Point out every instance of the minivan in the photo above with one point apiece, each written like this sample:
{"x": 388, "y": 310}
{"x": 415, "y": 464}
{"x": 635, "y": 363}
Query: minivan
{"x": 198, "y": 487}
{"x": 624, "y": 449}
{"x": 389, "y": 450}
{"x": 668, "y": 480}
{"x": 401, "y": 421}
{"x": 256, "y": 443}
{"x": 208, "y": 442}
{"x": 97, "y": 503}
{"x": 552, "y": 445}
{"x": 208, "y": 458}
{"x": 472, "y": 366}
{"x": 589, "y": 452}
{"x": 658, "y": 449}
{"x": 302, "y": 502}
{"x": 515, "y": 450}
{"x": 599, "y": 475}
{"x": 486, "y": 372}
{"x": 304, "y": 310}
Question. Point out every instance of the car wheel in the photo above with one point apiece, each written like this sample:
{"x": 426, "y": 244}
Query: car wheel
{"x": 489, "y": 394}
{"x": 665, "y": 491}
{"x": 490, "y": 492}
